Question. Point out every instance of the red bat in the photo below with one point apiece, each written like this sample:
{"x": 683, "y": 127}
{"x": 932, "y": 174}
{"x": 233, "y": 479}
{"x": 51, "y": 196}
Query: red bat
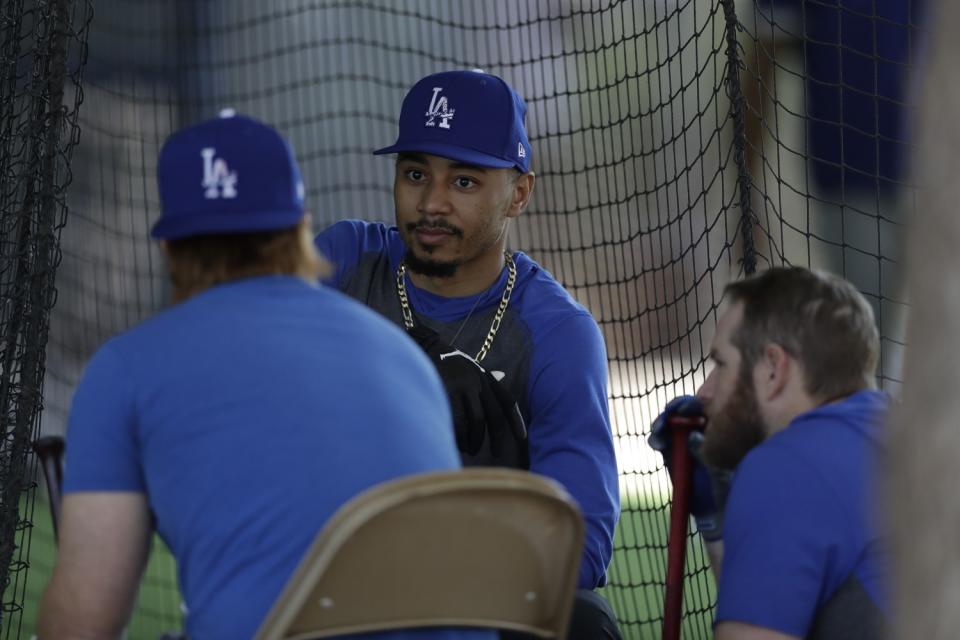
{"x": 680, "y": 428}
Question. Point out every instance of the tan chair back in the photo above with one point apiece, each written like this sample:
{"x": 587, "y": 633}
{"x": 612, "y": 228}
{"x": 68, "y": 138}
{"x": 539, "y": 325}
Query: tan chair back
{"x": 480, "y": 547}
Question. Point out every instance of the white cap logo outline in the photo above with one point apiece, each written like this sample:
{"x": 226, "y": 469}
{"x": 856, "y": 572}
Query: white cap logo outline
{"x": 439, "y": 108}
{"x": 218, "y": 180}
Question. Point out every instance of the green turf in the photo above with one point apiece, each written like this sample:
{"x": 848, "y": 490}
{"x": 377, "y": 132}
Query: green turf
{"x": 635, "y": 591}
{"x": 638, "y": 572}
{"x": 158, "y": 603}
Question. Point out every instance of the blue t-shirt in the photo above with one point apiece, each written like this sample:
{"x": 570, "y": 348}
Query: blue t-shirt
{"x": 859, "y": 56}
{"x": 549, "y": 349}
{"x": 247, "y": 415}
{"x": 801, "y": 521}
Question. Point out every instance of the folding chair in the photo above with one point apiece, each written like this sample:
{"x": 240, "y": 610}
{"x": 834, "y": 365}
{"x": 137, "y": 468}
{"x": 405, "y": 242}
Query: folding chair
{"x": 482, "y": 547}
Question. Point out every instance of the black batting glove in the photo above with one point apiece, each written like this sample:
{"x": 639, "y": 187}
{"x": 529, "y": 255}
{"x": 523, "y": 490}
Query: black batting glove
{"x": 482, "y": 407}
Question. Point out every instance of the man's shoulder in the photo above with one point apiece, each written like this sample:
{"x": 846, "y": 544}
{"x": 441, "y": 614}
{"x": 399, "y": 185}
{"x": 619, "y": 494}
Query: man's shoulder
{"x": 850, "y": 424}
{"x": 816, "y": 448}
{"x": 544, "y": 302}
{"x": 346, "y": 243}
{"x": 866, "y": 405}
{"x": 249, "y": 305}
{"x": 367, "y": 235}
{"x": 829, "y": 452}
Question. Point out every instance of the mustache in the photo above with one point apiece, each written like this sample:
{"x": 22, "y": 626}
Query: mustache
{"x": 428, "y": 225}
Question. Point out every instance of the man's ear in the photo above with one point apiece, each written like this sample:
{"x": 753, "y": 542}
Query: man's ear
{"x": 522, "y": 190}
{"x": 165, "y": 248}
{"x": 775, "y": 369}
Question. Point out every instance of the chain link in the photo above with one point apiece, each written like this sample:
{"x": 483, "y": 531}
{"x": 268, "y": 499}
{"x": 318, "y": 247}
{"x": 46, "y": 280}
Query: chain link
{"x": 402, "y": 293}
{"x": 497, "y": 319}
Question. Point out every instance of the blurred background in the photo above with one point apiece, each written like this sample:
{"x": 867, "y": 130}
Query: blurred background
{"x": 678, "y": 144}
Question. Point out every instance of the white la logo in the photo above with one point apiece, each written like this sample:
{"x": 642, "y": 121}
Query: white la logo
{"x": 439, "y": 109}
{"x": 218, "y": 180}
{"x": 521, "y": 152}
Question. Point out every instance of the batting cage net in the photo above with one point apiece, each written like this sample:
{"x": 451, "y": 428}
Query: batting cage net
{"x": 678, "y": 144}
{"x": 42, "y": 49}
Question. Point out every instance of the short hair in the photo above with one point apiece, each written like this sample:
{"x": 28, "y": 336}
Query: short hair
{"x": 199, "y": 262}
{"x": 819, "y": 319}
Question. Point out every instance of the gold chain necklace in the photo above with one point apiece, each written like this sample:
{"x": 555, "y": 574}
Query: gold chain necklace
{"x": 494, "y": 326}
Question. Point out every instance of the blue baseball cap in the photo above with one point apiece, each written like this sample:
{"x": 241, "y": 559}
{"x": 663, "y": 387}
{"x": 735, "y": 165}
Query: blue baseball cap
{"x": 232, "y": 174}
{"x": 468, "y": 116}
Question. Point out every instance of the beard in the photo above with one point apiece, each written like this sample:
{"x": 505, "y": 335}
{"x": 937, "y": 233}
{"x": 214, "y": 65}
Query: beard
{"x": 736, "y": 428}
{"x": 427, "y": 266}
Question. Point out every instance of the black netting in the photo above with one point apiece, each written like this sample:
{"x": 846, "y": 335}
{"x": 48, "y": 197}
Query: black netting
{"x": 829, "y": 86}
{"x": 41, "y": 57}
{"x": 677, "y": 144}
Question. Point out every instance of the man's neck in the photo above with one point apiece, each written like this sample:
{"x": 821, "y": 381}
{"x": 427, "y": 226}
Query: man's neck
{"x": 469, "y": 279}
{"x": 801, "y": 404}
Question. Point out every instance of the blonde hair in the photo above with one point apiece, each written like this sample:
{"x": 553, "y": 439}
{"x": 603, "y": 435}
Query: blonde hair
{"x": 200, "y": 262}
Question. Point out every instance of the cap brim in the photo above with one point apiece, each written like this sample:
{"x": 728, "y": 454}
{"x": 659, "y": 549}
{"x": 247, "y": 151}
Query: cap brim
{"x": 184, "y": 225}
{"x": 449, "y": 151}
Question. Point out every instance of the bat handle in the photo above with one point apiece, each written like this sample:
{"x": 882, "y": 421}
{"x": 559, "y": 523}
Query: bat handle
{"x": 680, "y": 428}
{"x": 49, "y": 450}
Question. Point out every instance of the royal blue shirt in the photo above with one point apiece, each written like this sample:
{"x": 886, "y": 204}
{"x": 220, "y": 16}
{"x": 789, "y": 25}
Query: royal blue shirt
{"x": 549, "y": 349}
{"x": 247, "y": 415}
{"x": 802, "y": 524}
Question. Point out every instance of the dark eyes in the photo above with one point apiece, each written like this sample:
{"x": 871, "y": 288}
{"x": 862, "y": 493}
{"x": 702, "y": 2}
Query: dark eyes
{"x": 461, "y": 182}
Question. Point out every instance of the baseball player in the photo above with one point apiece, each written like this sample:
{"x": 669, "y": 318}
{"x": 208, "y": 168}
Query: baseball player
{"x": 791, "y": 405}
{"x": 237, "y": 421}
{"x": 524, "y": 365}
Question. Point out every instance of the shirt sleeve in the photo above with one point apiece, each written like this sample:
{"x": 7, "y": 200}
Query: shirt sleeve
{"x": 570, "y": 435}
{"x": 103, "y": 448}
{"x": 343, "y": 243}
{"x": 783, "y": 542}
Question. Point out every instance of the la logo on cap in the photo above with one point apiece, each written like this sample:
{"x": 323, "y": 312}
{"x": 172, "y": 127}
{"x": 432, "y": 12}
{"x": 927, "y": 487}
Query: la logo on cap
{"x": 218, "y": 180}
{"x": 439, "y": 109}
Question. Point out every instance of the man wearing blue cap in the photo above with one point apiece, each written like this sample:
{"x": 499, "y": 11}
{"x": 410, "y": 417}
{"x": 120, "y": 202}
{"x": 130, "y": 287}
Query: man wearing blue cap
{"x": 237, "y": 421}
{"x": 524, "y": 365}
